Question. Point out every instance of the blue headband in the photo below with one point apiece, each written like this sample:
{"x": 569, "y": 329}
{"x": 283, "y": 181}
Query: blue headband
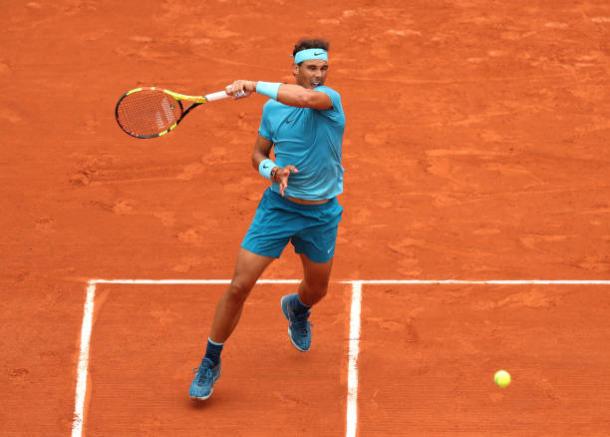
{"x": 308, "y": 54}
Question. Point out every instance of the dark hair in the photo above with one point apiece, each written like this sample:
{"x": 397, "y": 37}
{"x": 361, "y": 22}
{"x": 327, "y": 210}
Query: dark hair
{"x": 307, "y": 43}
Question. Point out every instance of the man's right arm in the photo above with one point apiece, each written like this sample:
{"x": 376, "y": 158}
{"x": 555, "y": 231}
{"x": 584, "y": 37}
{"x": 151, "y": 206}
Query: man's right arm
{"x": 279, "y": 175}
{"x": 262, "y": 148}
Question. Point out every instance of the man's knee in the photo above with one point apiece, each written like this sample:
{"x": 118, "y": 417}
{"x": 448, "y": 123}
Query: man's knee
{"x": 239, "y": 290}
{"x": 318, "y": 288}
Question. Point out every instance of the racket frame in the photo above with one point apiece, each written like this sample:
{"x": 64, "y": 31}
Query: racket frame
{"x": 195, "y": 100}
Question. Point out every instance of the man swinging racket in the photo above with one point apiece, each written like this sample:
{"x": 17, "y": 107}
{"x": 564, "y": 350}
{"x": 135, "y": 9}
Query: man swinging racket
{"x": 304, "y": 123}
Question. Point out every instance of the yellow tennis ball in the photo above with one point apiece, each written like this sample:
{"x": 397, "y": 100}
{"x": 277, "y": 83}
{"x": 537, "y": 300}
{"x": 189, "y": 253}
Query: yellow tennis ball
{"x": 502, "y": 378}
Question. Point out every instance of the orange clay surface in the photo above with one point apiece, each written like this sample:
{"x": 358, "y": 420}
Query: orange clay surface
{"x": 477, "y": 147}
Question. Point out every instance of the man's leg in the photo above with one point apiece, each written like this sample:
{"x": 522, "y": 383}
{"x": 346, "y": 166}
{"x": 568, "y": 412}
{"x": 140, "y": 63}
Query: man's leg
{"x": 314, "y": 286}
{"x": 296, "y": 307}
{"x": 249, "y": 267}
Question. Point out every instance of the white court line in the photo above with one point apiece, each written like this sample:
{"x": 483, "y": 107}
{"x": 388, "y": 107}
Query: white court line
{"x": 187, "y": 281}
{"x": 364, "y": 282}
{"x": 352, "y": 366}
{"x": 483, "y": 282}
{"x": 354, "y": 335}
{"x": 83, "y": 363}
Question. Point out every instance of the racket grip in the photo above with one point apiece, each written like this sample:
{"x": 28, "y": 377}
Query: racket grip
{"x": 221, "y": 95}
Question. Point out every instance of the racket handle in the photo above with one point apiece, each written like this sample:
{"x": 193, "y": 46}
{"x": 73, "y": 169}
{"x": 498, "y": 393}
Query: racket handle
{"x": 221, "y": 95}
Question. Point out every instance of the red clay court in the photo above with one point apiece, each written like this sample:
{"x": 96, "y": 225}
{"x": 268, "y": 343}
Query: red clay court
{"x": 475, "y": 237}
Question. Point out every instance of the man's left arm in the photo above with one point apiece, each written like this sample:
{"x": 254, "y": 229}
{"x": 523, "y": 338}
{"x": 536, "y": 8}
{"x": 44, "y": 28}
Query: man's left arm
{"x": 288, "y": 94}
{"x": 296, "y": 95}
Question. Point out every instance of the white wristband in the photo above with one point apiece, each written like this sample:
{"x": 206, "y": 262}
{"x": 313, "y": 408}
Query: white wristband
{"x": 269, "y": 89}
{"x": 265, "y": 167}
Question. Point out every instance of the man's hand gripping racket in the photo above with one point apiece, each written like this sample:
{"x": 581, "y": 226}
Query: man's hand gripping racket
{"x": 151, "y": 112}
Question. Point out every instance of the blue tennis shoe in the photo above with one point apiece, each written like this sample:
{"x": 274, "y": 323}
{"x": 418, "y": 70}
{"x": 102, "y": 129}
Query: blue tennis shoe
{"x": 203, "y": 384}
{"x": 299, "y": 328}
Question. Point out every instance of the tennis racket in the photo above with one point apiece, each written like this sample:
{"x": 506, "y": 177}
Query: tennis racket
{"x": 151, "y": 112}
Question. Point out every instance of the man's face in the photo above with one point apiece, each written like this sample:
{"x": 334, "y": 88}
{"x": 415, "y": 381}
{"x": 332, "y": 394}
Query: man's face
{"x": 311, "y": 74}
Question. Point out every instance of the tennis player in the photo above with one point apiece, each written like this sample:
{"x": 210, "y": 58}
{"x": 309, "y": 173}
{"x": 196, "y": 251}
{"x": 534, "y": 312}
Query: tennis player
{"x": 304, "y": 124}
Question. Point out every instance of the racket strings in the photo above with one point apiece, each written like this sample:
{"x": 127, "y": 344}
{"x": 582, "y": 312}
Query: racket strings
{"x": 148, "y": 113}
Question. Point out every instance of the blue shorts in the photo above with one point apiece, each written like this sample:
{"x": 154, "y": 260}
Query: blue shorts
{"x": 312, "y": 229}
